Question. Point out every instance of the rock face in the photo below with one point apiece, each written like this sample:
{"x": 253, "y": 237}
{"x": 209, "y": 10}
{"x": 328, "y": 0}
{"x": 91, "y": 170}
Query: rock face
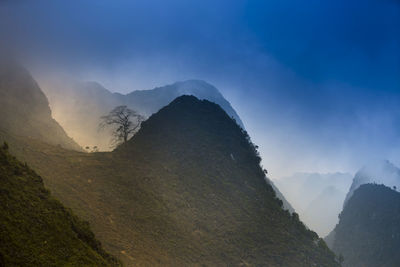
{"x": 187, "y": 189}
{"x": 368, "y": 233}
{"x": 78, "y": 106}
{"x": 36, "y": 229}
{"x": 25, "y": 110}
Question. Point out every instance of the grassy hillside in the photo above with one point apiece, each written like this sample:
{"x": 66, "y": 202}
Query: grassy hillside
{"x": 36, "y": 229}
{"x": 186, "y": 190}
{"x": 368, "y": 233}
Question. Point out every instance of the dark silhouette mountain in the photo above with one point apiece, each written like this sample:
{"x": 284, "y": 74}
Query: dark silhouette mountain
{"x": 78, "y": 106}
{"x": 380, "y": 172}
{"x": 368, "y": 233}
{"x": 25, "y": 110}
{"x": 187, "y": 189}
{"x": 376, "y": 172}
{"x": 36, "y": 229}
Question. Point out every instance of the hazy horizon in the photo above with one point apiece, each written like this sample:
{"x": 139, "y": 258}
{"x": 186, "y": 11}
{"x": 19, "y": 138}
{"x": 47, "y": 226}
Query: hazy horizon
{"x": 317, "y": 86}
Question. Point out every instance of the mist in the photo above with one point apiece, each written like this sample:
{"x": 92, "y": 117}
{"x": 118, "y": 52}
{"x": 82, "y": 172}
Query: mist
{"x": 317, "y": 85}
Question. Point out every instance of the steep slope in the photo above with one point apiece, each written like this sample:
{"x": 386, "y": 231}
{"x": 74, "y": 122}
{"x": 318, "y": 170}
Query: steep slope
{"x": 78, "y": 106}
{"x": 209, "y": 178}
{"x": 25, "y": 110}
{"x": 286, "y": 205}
{"x": 187, "y": 189}
{"x": 368, "y": 233}
{"x": 380, "y": 172}
{"x": 35, "y": 229}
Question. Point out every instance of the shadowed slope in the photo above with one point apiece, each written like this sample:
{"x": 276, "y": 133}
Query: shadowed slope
{"x": 209, "y": 180}
{"x": 368, "y": 233}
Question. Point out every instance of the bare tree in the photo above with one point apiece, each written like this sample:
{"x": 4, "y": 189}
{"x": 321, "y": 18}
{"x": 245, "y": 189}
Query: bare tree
{"x": 124, "y": 123}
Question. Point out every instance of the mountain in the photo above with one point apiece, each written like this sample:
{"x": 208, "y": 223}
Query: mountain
{"x": 368, "y": 233}
{"x": 285, "y": 203}
{"x": 375, "y": 172}
{"x": 380, "y": 172}
{"x": 321, "y": 215}
{"x": 25, "y": 110}
{"x": 187, "y": 189}
{"x": 78, "y": 106}
{"x": 36, "y": 229}
{"x": 316, "y": 197}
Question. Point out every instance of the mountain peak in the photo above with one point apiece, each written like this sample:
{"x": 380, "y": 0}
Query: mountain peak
{"x": 199, "y": 159}
{"x": 379, "y": 172}
{"x": 368, "y": 233}
{"x": 77, "y": 106}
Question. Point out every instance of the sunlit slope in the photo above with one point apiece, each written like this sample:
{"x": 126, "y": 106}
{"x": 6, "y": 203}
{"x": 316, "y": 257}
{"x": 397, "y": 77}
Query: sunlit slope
{"x": 368, "y": 233}
{"x": 25, "y": 110}
{"x": 187, "y": 189}
{"x": 36, "y": 229}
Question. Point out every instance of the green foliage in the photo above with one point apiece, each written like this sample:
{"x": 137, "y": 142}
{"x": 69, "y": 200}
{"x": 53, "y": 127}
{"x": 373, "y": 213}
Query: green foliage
{"x": 5, "y": 145}
{"x": 35, "y": 229}
{"x": 368, "y": 233}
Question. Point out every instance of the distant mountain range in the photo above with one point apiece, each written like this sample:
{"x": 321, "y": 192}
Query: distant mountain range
{"x": 78, "y": 106}
{"x": 318, "y": 198}
{"x": 368, "y": 233}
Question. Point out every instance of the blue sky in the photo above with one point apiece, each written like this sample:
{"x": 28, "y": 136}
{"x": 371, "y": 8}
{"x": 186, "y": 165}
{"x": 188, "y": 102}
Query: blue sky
{"x": 317, "y": 83}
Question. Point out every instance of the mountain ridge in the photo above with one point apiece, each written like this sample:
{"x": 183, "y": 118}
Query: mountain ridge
{"x": 380, "y": 172}
{"x": 78, "y": 106}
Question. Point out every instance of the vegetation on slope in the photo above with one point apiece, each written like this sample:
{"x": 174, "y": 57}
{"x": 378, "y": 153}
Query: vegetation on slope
{"x": 368, "y": 233}
{"x": 186, "y": 189}
{"x": 36, "y": 229}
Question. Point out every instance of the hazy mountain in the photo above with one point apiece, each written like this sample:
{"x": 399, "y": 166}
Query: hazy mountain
{"x": 78, "y": 106}
{"x": 187, "y": 189}
{"x": 25, "y": 110}
{"x": 36, "y": 229}
{"x": 321, "y": 215}
{"x": 368, "y": 233}
{"x": 380, "y": 172}
{"x": 318, "y": 198}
